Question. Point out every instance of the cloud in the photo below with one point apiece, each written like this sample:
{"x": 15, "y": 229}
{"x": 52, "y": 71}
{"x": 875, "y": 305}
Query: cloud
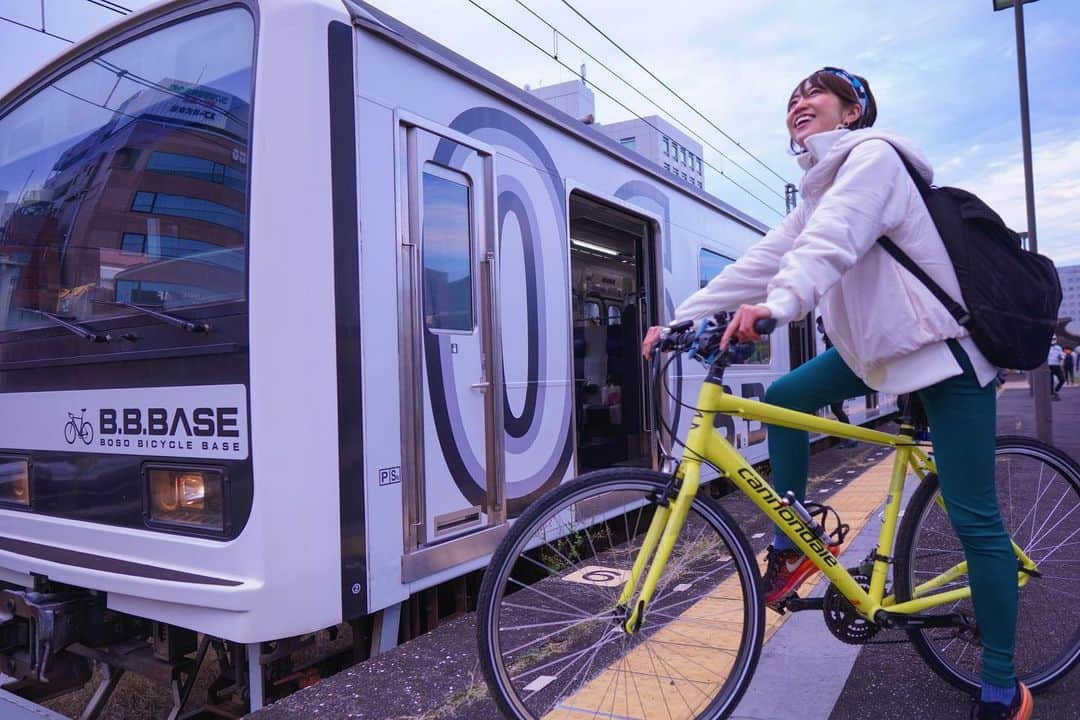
{"x": 999, "y": 180}
{"x": 944, "y": 75}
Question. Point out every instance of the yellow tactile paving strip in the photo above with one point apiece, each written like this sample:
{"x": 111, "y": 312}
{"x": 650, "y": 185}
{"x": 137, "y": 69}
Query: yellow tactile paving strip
{"x": 691, "y": 672}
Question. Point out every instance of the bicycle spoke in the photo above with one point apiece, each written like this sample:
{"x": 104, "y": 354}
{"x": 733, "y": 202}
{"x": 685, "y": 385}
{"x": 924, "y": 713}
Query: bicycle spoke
{"x": 535, "y": 608}
{"x": 672, "y": 672}
{"x": 1035, "y": 507}
{"x": 1053, "y": 549}
{"x": 562, "y": 623}
{"x": 546, "y": 637}
{"x": 525, "y": 673}
{"x": 1055, "y": 526}
{"x": 607, "y": 638}
{"x": 532, "y": 588}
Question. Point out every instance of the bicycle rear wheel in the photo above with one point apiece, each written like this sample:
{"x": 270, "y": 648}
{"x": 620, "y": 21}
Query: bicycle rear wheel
{"x": 1038, "y": 489}
{"x": 550, "y": 641}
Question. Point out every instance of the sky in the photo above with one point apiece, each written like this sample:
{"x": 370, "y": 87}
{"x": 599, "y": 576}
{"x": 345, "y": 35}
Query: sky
{"x": 944, "y": 74}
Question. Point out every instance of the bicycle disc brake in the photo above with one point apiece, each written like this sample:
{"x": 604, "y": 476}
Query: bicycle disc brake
{"x": 841, "y": 617}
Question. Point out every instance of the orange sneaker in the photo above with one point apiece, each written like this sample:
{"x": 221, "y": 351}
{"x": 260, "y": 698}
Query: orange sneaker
{"x": 785, "y": 571}
{"x": 1019, "y": 709}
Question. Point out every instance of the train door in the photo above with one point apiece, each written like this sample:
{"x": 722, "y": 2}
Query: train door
{"x": 612, "y": 293}
{"x": 452, "y": 456}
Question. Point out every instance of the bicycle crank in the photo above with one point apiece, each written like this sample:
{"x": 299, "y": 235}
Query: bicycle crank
{"x": 841, "y": 617}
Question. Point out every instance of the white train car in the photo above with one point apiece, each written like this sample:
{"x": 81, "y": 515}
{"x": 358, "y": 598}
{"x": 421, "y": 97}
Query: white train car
{"x": 298, "y": 310}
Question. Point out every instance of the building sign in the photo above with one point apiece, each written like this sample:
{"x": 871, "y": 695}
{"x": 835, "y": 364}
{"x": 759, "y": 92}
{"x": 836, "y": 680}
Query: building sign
{"x": 201, "y": 421}
{"x": 178, "y": 100}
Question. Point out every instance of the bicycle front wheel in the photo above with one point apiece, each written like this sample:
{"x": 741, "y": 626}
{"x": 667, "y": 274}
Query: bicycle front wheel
{"x": 550, "y": 639}
{"x": 1038, "y": 490}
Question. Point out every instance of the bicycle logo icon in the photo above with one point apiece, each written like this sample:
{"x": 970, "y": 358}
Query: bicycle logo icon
{"x": 78, "y": 427}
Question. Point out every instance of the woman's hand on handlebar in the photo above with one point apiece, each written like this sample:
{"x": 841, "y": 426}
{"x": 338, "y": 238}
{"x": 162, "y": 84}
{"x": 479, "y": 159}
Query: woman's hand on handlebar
{"x": 741, "y": 324}
{"x": 651, "y": 339}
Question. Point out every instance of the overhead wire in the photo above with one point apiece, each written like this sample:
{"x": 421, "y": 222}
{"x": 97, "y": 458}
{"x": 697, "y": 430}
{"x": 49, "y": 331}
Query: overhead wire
{"x": 615, "y": 100}
{"x": 672, "y": 91}
{"x": 109, "y": 5}
{"x": 127, "y": 74}
{"x": 652, "y": 102}
{"x": 43, "y": 31}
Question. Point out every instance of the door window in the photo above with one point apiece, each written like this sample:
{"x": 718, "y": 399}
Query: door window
{"x": 447, "y": 250}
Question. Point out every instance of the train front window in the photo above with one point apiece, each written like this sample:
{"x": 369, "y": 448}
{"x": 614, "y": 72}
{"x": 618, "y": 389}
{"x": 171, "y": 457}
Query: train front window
{"x": 126, "y": 179}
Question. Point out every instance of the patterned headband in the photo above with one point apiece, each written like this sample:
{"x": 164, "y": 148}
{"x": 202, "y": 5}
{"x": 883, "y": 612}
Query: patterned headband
{"x": 856, "y": 85}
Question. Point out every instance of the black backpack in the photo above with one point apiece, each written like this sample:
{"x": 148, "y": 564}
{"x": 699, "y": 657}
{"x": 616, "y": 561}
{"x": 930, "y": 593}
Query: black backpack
{"x": 1010, "y": 295}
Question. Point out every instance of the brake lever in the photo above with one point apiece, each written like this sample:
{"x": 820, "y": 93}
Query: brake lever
{"x": 765, "y": 326}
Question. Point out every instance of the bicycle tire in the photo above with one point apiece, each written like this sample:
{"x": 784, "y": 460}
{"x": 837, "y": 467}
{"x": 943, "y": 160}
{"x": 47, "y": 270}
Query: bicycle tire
{"x": 717, "y": 594}
{"x": 88, "y": 432}
{"x": 70, "y": 432}
{"x": 1028, "y": 474}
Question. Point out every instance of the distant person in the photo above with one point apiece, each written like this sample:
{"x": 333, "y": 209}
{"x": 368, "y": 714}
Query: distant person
{"x": 1053, "y": 361}
{"x": 837, "y": 408}
{"x": 889, "y": 334}
{"x": 1068, "y": 364}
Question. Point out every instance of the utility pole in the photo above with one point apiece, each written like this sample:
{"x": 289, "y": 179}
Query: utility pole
{"x": 1040, "y": 377}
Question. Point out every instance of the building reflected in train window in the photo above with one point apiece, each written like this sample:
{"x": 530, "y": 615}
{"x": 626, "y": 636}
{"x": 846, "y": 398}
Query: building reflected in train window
{"x": 126, "y": 178}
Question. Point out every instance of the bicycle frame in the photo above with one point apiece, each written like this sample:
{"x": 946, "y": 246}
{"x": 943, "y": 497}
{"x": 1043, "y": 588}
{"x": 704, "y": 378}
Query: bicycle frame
{"x": 703, "y": 443}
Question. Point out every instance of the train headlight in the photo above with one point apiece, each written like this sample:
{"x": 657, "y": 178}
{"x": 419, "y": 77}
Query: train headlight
{"x": 186, "y": 497}
{"x": 14, "y": 482}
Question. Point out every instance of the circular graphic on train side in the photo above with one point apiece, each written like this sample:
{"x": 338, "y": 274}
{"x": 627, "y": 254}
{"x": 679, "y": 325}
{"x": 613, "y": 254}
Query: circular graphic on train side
{"x": 534, "y": 308}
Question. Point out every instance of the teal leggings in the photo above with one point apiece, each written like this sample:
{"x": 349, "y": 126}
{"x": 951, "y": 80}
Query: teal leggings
{"x": 963, "y": 421}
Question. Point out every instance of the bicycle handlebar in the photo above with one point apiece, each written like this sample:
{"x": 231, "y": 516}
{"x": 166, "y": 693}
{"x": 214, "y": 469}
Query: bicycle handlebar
{"x": 703, "y": 343}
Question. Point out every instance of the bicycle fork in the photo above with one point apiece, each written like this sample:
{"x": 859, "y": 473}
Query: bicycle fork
{"x": 663, "y": 532}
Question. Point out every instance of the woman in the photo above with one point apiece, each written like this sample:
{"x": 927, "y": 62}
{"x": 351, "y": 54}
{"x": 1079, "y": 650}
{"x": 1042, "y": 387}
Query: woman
{"x": 889, "y": 334}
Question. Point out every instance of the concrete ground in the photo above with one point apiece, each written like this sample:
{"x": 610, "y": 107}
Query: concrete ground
{"x": 436, "y": 676}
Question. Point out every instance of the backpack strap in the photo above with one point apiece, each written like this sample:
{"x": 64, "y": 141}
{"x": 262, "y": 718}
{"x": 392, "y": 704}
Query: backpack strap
{"x": 918, "y": 179}
{"x": 962, "y": 316}
{"x": 955, "y": 309}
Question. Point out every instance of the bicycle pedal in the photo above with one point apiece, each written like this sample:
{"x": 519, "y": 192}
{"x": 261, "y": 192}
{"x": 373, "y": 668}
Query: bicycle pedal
{"x": 797, "y": 604}
{"x": 780, "y": 607}
{"x": 793, "y": 603}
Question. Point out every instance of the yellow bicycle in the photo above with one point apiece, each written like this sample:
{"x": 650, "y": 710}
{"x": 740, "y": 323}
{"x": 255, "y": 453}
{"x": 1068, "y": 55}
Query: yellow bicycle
{"x": 628, "y": 593}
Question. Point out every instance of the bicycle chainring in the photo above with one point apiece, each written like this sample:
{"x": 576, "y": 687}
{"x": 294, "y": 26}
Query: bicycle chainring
{"x": 842, "y": 619}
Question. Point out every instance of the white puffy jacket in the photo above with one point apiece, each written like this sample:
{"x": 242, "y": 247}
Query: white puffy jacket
{"x": 886, "y": 325}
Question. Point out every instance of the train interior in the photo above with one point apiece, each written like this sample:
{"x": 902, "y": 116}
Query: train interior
{"x": 608, "y": 269}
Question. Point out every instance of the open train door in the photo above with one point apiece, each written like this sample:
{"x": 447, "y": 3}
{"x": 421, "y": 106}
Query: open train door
{"x": 613, "y": 296}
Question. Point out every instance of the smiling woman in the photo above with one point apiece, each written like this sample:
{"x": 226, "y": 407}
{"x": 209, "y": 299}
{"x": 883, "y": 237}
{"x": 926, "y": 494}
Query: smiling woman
{"x": 889, "y": 333}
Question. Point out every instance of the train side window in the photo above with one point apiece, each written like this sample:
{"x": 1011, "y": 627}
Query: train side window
{"x": 447, "y": 250}
{"x": 710, "y": 264}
